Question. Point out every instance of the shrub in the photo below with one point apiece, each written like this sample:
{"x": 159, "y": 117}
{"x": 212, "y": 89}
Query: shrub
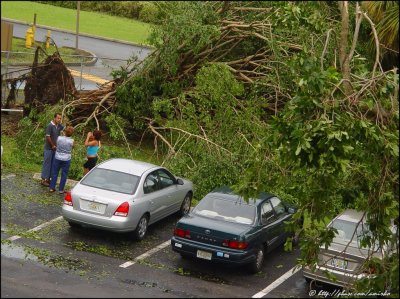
{"x": 149, "y": 13}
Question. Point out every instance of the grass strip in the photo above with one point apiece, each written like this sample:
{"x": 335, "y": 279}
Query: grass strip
{"x": 89, "y": 22}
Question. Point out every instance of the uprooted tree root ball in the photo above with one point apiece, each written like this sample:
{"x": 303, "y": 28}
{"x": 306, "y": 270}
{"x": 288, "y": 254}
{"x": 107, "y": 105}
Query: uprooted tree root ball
{"x": 48, "y": 83}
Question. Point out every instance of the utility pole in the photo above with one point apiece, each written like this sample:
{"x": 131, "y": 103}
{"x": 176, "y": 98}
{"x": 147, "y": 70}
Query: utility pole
{"x": 78, "y": 8}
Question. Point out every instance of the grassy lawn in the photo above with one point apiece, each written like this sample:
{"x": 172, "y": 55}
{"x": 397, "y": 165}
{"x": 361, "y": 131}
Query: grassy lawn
{"x": 89, "y": 22}
{"x": 18, "y": 45}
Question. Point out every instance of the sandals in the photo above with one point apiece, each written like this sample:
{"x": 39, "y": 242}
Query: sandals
{"x": 45, "y": 183}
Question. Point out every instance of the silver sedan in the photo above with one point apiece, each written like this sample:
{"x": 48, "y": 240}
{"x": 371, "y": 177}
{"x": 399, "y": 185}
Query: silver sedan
{"x": 125, "y": 195}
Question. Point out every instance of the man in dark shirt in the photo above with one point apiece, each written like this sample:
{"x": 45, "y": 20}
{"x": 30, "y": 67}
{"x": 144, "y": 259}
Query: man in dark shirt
{"x": 53, "y": 130}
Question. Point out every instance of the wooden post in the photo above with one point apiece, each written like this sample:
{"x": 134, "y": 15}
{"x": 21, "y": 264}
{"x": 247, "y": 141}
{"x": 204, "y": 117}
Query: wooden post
{"x": 78, "y": 8}
{"x": 34, "y": 25}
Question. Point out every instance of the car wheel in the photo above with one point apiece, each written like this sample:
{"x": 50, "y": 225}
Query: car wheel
{"x": 256, "y": 265}
{"x": 73, "y": 224}
{"x": 185, "y": 207}
{"x": 185, "y": 256}
{"x": 141, "y": 228}
{"x": 295, "y": 239}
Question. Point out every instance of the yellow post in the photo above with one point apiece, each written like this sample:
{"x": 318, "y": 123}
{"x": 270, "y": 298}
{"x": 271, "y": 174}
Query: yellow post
{"x": 29, "y": 38}
{"x": 48, "y": 39}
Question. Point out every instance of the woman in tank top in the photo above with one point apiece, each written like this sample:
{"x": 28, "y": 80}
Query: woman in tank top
{"x": 93, "y": 144}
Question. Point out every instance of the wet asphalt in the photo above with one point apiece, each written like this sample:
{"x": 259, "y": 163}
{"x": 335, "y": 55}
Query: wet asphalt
{"x": 58, "y": 261}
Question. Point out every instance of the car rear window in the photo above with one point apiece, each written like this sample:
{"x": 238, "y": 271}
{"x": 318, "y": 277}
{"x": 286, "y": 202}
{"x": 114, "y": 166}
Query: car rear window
{"x": 227, "y": 210}
{"x": 111, "y": 180}
{"x": 345, "y": 232}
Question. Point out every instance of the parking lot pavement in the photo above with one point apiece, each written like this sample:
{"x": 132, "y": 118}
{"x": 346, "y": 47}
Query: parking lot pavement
{"x": 295, "y": 286}
{"x": 32, "y": 213}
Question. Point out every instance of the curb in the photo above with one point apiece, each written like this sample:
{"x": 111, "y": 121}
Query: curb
{"x": 82, "y": 34}
{"x": 89, "y": 63}
{"x": 69, "y": 183}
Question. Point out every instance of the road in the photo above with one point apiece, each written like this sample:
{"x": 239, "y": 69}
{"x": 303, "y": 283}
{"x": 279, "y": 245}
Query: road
{"x": 58, "y": 261}
{"x": 111, "y": 55}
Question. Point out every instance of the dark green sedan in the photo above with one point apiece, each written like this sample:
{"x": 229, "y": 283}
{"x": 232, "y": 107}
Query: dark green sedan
{"x": 224, "y": 228}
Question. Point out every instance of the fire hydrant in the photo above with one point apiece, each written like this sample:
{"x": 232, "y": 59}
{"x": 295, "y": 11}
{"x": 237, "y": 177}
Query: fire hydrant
{"x": 29, "y": 38}
{"x": 48, "y": 39}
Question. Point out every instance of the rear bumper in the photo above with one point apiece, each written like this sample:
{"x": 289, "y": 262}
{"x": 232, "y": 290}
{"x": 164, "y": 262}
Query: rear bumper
{"x": 343, "y": 279}
{"x": 219, "y": 254}
{"x": 113, "y": 223}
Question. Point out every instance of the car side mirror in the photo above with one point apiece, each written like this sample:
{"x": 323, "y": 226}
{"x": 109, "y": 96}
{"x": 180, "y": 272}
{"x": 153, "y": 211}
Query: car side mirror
{"x": 179, "y": 181}
{"x": 291, "y": 210}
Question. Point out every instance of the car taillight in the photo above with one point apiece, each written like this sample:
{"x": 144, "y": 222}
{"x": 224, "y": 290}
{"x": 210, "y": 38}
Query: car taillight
{"x": 122, "y": 210}
{"x": 235, "y": 244}
{"x": 182, "y": 233}
{"x": 68, "y": 199}
{"x": 370, "y": 270}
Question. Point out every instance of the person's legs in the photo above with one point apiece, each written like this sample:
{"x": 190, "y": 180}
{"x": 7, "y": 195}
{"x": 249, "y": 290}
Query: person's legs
{"x": 54, "y": 173}
{"x": 64, "y": 174}
{"x": 46, "y": 167}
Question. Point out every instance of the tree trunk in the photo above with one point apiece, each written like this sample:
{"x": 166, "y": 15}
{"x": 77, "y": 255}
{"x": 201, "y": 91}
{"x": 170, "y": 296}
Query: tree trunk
{"x": 343, "y": 45}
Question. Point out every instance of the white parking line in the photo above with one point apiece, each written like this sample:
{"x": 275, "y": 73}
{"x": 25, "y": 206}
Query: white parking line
{"x": 146, "y": 254}
{"x": 276, "y": 282}
{"x": 16, "y": 237}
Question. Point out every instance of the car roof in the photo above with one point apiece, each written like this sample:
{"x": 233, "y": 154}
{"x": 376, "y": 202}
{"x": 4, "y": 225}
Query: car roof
{"x": 351, "y": 215}
{"x": 127, "y": 165}
{"x": 228, "y": 194}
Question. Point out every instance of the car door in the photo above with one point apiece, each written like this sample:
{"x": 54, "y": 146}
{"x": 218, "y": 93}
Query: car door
{"x": 173, "y": 195}
{"x": 281, "y": 216}
{"x": 153, "y": 194}
{"x": 269, "y": 223}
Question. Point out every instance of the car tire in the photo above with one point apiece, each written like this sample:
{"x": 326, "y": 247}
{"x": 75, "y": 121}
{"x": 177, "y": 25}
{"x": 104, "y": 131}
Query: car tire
{"x": 186, "y": 203}
{"x": 74, "y": 225}
{"x": 141, "y": 229}
{"x": 295, "y": 239}
{"x": 256, "y": 265}
{"x": 185, "y": 256}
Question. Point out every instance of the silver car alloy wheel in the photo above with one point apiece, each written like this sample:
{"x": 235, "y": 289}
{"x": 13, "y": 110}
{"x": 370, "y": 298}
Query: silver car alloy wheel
{"x": 186, "y": 205}
{"x": 142, "y": 227}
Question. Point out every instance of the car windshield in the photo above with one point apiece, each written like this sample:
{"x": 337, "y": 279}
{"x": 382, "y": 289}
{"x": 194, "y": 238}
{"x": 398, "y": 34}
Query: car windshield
{"x": 227, "y": 210}
{"x": 111, "y": 180}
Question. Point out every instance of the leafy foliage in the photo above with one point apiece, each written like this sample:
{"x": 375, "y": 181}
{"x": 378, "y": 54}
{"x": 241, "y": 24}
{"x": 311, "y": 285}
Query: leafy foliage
{"x": 291, "y": 131}
{"x": 249, "y": 94}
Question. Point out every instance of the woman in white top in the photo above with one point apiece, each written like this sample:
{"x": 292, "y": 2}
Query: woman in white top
{"x": 62, "y": 160}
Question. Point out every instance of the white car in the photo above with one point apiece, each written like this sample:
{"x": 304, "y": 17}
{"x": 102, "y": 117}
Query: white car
{"x": 344, "y": 258}
{"x": 125, "y": 195}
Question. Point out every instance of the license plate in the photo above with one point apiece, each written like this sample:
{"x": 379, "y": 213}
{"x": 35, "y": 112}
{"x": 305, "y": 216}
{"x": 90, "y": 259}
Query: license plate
{"x": 204, "y": 255}
{"x": 339, "y": 263}
{"x": 93, "y": 206}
